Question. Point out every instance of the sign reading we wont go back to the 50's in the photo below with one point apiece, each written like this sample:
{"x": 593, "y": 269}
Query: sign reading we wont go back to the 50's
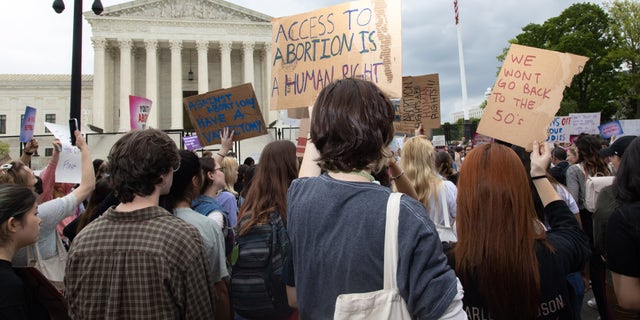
{"x": 527, "y": 94}
{"x": 357, "y": 39}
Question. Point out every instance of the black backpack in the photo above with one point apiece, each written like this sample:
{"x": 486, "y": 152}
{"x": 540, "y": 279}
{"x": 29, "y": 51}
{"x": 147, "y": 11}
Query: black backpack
{"x": 257, "y": 289}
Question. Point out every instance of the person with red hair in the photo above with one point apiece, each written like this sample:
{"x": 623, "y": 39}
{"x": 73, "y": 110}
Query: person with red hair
{"x": 509, "y": 265}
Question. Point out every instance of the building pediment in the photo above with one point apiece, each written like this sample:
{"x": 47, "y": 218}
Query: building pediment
{"x": 184, "y": 10}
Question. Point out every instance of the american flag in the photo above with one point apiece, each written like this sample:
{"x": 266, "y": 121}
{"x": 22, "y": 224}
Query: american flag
{"x": 455, "y": 9}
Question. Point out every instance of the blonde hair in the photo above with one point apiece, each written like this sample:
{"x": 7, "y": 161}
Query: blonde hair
{"x": 418, "y": 163}
{"x": 230, "y": 165}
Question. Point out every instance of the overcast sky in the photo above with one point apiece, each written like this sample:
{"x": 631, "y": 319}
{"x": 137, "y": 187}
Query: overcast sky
{"x": 37, "y": 40}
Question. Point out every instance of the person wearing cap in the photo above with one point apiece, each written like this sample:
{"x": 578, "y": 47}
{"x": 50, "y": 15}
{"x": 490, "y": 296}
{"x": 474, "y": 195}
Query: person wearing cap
{"x": 605, "y": 205}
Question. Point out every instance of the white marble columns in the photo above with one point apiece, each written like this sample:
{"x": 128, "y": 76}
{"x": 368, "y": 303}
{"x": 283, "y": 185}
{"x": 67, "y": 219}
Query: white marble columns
{"x": 203, "y": 66}
{"x": 176, "y": 84}
{"x": 151, "y": 92}
{"x": 125, "y": 83}
{"x": 225, "y": 63}
{"x": 247, "y": 50}
{"x": 99, "y": 88}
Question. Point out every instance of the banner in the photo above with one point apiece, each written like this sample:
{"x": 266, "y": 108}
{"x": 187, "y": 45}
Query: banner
{"x": 420, "y": 103}
{"x": 235, "y": 108}
{"x": 559, "y": 129}
{"x": 585, "y": 123}
{"x": 527, "y": 94}
{"x": 139, "y": 109}
{"x": 28, "y": 124}
{"x": 357, "y": 39}
{"x": 610, "y": 129}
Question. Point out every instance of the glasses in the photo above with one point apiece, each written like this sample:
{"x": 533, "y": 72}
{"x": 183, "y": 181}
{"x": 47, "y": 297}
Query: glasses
{"x": 221, "y": 169}
{"x": 176, "y": 167}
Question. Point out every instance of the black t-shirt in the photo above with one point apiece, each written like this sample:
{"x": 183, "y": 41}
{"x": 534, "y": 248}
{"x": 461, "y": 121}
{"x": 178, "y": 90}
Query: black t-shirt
{"x": 571, "y": 250}
{"x": 12, "y": 299}
{"x": 559, "y": 172}
{"x": 623, "y": 240}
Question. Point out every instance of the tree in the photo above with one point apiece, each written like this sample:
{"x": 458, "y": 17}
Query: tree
{"x": 581, "y": 29}
{"x": 625, "y": 30}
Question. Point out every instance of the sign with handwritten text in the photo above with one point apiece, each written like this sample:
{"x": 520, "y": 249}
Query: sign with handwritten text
{"x": 439, "y": 141}
{"x": 139, "y": 109}
{"x": 585, "y": 123}
{"x": 420, "y": 103}
{"x": 559, "y": 129}
{"x": 356, "y": 39}
{"x": 28, "y": 124}
{"x": 527, "y": 94}
{"x": 69, "y": 168}
{"x": 236, "y": 108}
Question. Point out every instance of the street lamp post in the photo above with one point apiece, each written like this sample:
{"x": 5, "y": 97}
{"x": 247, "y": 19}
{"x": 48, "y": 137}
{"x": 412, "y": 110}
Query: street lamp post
{"x": 76, "y": 56}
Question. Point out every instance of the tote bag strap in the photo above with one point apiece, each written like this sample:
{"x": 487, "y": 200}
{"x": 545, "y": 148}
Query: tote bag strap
{"x": 445, "y": 206}
{"x": 391, "y": 241}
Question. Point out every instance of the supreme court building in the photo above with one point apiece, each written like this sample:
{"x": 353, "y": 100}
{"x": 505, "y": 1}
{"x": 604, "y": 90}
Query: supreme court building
{"x": 163, "y": 50}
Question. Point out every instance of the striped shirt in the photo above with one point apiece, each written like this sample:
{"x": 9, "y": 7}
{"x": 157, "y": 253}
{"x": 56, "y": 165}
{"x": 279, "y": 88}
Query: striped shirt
{"x": 143, "y": 264}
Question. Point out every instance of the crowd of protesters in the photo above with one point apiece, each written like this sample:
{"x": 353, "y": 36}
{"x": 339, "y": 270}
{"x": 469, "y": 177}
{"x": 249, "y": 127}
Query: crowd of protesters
{"x": 154, "y": 232}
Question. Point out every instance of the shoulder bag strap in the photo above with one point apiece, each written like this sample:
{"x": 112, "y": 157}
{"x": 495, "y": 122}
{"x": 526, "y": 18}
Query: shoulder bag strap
{"x": 391, "y": 241}
{"x": 445, "y": 205}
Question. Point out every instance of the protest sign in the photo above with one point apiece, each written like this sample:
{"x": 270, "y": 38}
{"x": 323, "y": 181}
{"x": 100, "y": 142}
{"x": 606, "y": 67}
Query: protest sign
{"x": 139, "y": 109}
{"x": 420, "y": 103}
{"x": 585, "y": 123}
{"x": 439, "y": 141}
{"x": 28, "y": 124}
{"x": 191, "y": 142}
{"x": 357, "y": 39}
{"x": 527, "y": 94}
{"x": 235, "y": 108}
{"x": 69, "y": 168}
{"x": 631, "y": 127}
{"x": 479, "y": 139}
{"x": 559, "y": 129}
{"x": 610, "y": 129}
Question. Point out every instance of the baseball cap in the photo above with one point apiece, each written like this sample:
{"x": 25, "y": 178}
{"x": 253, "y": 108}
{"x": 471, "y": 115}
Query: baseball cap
{"x": 617, "y": 147}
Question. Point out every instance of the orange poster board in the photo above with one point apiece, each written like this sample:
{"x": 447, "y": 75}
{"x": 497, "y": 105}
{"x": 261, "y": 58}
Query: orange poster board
{"x": 357, "y": 39}
{"x": 527, "y": 94}
{"x": 236, "y": 108}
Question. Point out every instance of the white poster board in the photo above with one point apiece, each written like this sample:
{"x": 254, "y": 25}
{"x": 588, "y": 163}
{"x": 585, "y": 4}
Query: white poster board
{"x": 585, "y": 123}
{"x": 69, "y": 168}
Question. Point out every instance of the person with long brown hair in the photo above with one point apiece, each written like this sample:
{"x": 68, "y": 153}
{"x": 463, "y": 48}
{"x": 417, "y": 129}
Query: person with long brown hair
{"x": 589, "y": 163}
{"x": 510, "y": 267}
{"x": 265, "y": 209}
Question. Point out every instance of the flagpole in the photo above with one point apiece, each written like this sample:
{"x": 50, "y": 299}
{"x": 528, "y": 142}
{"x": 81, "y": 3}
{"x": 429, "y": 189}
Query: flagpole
{"x": 463, "y": 76}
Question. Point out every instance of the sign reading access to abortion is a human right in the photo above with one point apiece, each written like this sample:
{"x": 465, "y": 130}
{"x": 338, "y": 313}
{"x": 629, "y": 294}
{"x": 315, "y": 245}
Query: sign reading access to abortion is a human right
{"x": 357, "y": 39}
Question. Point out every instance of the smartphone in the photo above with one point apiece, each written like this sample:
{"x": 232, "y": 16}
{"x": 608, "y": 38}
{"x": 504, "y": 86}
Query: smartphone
{"x": 73, "y": 126}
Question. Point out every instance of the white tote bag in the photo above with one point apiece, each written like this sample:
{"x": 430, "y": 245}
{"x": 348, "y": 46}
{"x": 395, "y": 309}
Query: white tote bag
{"x": 52, "y": 268}
{"x": 445, "y": 232}
{"x": 386, "y": 303}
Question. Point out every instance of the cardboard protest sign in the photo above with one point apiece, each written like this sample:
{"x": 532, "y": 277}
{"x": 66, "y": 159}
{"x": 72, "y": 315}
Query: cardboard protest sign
{"x": 357, "y": 39}
{"x": 236, "y": 108}
{"x": 139, "y": 109}
{"x": 559, "y": 129}
{"x": 420, "y": 103}
{"x": 527, "y": 94}
{"x": 610, "y": 129}
{"x": 585, "y": 123}
{"x": 28, "y": 124}
{"x": 191, "y": 142}
{"x": 69, "y": 168}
